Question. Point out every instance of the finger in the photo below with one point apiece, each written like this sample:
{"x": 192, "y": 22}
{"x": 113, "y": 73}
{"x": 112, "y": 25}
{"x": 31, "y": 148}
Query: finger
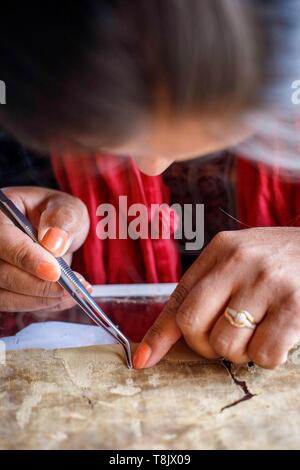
{"x": 276, "y": 335}
{"x": 63, "y": 225}
{"x": 201, "y": 309}
{"x": 13, "y": 302}
{"x": 230, "y": 341}
{"x": 61, "y": 307}
{"x": 14, "y": 279}
{"x": 68, "y": 301}
{"x": 161, "y": 336}
{"x": 17, "y": 249}
{"x": 165, "y": 331}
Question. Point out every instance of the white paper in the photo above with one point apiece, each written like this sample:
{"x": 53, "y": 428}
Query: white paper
{"x": 53, "y": 335}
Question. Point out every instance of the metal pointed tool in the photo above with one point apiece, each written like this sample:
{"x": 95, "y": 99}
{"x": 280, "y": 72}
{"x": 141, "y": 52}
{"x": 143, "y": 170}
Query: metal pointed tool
{"x": 69, "y": 281}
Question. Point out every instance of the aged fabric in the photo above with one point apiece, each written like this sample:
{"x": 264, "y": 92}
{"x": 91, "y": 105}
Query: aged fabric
{"x": 87, "y": 399}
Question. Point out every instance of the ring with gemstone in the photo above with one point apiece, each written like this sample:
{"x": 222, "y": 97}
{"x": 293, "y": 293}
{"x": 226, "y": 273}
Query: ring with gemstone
{"x": 240, "y": 318}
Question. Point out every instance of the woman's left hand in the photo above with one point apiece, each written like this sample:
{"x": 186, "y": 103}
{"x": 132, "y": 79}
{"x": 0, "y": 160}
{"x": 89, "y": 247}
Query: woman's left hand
{"x": 257, "y": 270}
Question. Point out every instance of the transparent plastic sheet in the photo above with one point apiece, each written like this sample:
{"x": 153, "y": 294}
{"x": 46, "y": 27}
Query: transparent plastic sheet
{"x": 133, "y": 314}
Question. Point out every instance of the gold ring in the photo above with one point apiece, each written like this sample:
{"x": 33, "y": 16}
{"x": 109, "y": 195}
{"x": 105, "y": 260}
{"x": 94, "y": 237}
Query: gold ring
{"x": 240, "y": 318}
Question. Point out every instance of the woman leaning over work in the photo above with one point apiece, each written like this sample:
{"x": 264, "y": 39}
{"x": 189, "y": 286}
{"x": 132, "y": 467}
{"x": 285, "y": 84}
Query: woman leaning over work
{"x": 114, "y": 93}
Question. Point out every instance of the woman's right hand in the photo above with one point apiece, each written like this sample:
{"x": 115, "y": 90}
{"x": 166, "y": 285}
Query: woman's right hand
{"x": 28, "y": 270}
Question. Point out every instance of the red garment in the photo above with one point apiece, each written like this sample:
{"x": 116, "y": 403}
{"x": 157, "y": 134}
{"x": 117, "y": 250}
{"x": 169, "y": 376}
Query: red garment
{"x": 102, "y": 179}
{"x": 266, "y": 196}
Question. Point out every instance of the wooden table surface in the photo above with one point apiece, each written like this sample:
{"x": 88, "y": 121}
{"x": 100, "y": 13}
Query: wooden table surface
{"x": 87, "y": 399}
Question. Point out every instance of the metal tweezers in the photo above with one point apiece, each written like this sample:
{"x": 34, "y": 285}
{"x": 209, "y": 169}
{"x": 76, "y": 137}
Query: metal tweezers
{"x": 69, "y": 281}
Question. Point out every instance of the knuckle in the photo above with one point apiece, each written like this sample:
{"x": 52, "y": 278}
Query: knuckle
{"x": 186, "y": 318}
{"x": 178, "y": 295}
{"x": 223, "y": 237}
{"x": 46, "y": 302}
{"x": 9, "y": 192}
{"x": 68, "y": 214}
{"x": 12, "y": 194}
{"x": 222, "y": 345}
{"x": 226, "y": 347}
{"x": 242, "y": 254}
{"x": 266, "y": 359}
{"x": 266, "y": 274}
{"x": 156, "y": 332}
{"x": 70, "y": 211}
{"x": 65, "y": 214}
{"x": 44, "y": 289}
{"x": 291, "y": 302}
{"x": 20, "y": 253}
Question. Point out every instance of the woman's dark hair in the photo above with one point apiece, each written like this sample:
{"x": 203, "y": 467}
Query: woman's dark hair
{"x": 86, "y": 69}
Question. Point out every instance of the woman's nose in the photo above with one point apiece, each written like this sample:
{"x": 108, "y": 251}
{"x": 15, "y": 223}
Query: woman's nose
{"x": 153, "y": 166}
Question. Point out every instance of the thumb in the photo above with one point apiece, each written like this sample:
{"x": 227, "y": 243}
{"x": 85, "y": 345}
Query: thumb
{"x": 63, "y": 225}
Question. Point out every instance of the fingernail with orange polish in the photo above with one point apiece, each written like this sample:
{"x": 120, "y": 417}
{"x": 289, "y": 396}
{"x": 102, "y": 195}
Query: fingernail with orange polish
{"x": 47, "y": 271}
{"x": 56, "y": 241}
{"x": 141, "y": 356}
